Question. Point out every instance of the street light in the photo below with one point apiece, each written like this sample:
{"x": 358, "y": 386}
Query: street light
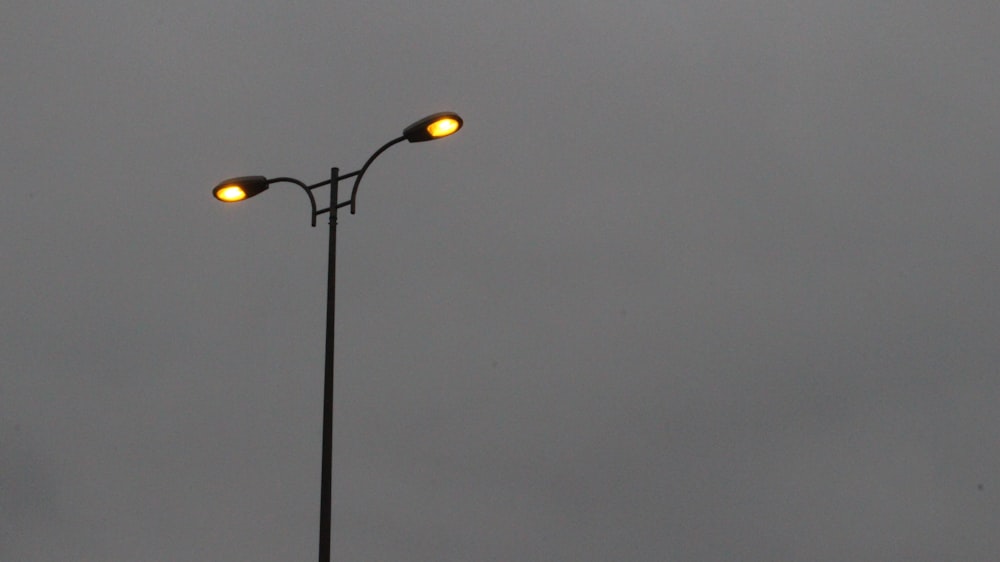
{"x": 438, "y": 125}
{"x": 238, "y": 189}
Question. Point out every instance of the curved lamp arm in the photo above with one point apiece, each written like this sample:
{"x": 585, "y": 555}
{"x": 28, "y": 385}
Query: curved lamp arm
{"x": 360, "y": 173}
{"x": 307, "y": 188}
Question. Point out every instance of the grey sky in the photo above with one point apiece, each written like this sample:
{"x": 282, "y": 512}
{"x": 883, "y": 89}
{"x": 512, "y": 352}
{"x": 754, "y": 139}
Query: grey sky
{"x": 697, "y": 281}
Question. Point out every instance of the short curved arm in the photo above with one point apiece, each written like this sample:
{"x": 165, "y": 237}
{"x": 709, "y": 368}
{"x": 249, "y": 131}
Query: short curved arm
{"x": 360, "y": 173}
{"x": 307, "y": 188}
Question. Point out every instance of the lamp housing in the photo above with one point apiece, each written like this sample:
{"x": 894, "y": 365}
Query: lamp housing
{"x": 238, "y": 189}
{"x": 432, "y": 127}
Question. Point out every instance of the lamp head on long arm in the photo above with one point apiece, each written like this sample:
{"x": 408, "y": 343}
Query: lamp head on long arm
{"x": 432, "y": 127}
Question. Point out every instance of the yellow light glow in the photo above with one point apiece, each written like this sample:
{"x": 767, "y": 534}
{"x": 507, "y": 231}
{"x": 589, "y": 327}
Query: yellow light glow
{"x": 231, "y": 194}
{"x": 442, "y": 127}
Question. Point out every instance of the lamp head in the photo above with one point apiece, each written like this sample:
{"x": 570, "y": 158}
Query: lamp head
{"x": 433, "y": 127}
{"x": 238, "y": 189}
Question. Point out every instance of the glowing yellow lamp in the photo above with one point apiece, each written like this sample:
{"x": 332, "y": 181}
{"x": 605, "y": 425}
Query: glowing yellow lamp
{"x": 442, "y": 127}
{"x": 231, "y": 194}
{"x": 433, "y": 127}
{"x": 238, "y": 189}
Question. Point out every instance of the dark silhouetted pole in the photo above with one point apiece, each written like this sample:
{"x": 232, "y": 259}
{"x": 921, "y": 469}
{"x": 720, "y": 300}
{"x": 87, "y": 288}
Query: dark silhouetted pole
{"x": 326, "y": 488}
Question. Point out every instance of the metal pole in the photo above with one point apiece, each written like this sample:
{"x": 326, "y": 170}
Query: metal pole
{"x": 325, "y": 516}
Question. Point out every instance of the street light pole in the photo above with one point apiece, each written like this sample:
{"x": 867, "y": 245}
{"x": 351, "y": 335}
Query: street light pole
{"x": 326, "y": 486}
{"x": 432, "y": 127}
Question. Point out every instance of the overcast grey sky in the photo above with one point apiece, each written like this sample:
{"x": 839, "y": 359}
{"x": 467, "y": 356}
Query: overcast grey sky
{"x": 698, "y": 280}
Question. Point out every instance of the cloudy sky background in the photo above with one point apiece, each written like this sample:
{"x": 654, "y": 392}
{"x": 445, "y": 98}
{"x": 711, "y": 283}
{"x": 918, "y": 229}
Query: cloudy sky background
{"x": 697, "y": 281}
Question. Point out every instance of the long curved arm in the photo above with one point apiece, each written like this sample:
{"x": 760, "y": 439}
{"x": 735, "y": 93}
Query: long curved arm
{"x": 360, "y": 173}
